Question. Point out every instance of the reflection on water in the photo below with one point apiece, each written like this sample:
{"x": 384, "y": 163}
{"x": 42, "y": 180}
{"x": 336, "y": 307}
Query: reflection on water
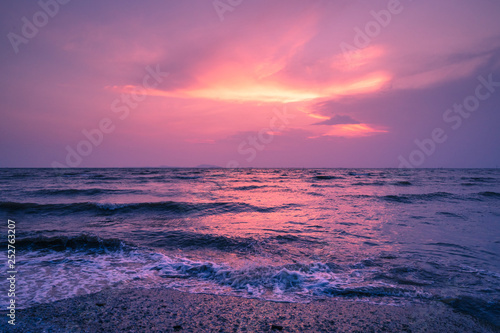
{"x": 291, "y": 234}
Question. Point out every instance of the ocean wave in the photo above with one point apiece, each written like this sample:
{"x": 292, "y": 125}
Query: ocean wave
{"x": 120, "y": 265}
{"x": 488, "y": 311}
{"x": 402, "y": 183}
{"x": 410, "y": 198}
{"x": 327, "y": 185}
{"x": 490, "y": 194}
{"x": 368, "y": 184}
{"x": 147, "y": 172}
{"x": 288, "y": 282}
{"x": 84, "y": 242}
{"x": 326, "y": 177}
{"x": 449, "y": 245}
{"x": 293, "y": 238}
{"x": 77, "y": 271}
{"x": 171, "y": 207}
{"x": 352, "y": 173}
{"x": 479, "y": 179}
{"x": 186, "y": 177}
{"x": 165, "y": 240}
{"x": 448, "y": 214}
{"x": 404, "y": 275}
{"x": 21, "y": 175}
{"x": 249, "y": 187}
{"x": 316, "y": 194}
{"x": 371, "y": 291}
{"x": 102, "y": 177}
{"x": 84, "y": 192}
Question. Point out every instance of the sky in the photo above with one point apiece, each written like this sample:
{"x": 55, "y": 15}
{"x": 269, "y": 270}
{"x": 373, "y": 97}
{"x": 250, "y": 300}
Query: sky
{"x": 250, "y": 83}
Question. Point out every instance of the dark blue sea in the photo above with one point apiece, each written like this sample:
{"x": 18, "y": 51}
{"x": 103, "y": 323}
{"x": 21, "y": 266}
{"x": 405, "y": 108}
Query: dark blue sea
{"x": 390, "y": 236}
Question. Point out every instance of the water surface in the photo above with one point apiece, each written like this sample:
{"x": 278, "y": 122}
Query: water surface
{"x": 381, "y": 235}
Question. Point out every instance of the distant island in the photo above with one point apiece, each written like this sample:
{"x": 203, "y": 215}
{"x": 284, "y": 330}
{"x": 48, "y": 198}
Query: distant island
{"x": 201, "y": 166}
{"x": 208, "y": 166}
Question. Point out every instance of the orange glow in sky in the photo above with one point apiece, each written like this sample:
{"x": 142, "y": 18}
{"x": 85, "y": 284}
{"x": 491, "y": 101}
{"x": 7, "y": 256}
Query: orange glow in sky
{"x": 262, "y": 91}
{"x": 353, "y": 130}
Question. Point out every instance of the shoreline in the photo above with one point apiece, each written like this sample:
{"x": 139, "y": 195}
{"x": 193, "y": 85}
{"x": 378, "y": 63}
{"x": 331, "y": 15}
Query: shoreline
{"x": 167, "y": 310}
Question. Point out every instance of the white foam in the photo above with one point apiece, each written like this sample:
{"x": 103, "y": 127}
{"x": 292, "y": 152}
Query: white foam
{"x": 47, "y": 276}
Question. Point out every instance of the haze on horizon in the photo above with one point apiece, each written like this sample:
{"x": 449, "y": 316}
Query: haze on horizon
{"x": 250, "y": 83}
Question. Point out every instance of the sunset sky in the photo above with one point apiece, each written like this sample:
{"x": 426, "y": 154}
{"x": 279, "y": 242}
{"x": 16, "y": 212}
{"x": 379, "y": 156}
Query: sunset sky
{"x": 250, "y": 83}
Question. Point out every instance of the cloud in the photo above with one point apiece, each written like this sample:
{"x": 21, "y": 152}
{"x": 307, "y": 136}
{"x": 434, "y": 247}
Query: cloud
{"x": 226, "y": 78}
{"x": 353, "y": 130}
{"x": 338, "y": 120}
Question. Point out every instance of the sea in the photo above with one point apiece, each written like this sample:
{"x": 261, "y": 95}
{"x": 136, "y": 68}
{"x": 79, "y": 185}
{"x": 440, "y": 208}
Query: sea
{"x": 385, "y": 236}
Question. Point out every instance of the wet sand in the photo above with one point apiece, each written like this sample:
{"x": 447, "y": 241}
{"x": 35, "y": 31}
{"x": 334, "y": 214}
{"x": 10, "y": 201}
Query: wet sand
{"x": 164, "y": 310}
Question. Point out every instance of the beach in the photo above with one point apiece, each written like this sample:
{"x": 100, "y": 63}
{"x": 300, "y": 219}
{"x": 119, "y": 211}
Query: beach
{"x": 166, "y": 310}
